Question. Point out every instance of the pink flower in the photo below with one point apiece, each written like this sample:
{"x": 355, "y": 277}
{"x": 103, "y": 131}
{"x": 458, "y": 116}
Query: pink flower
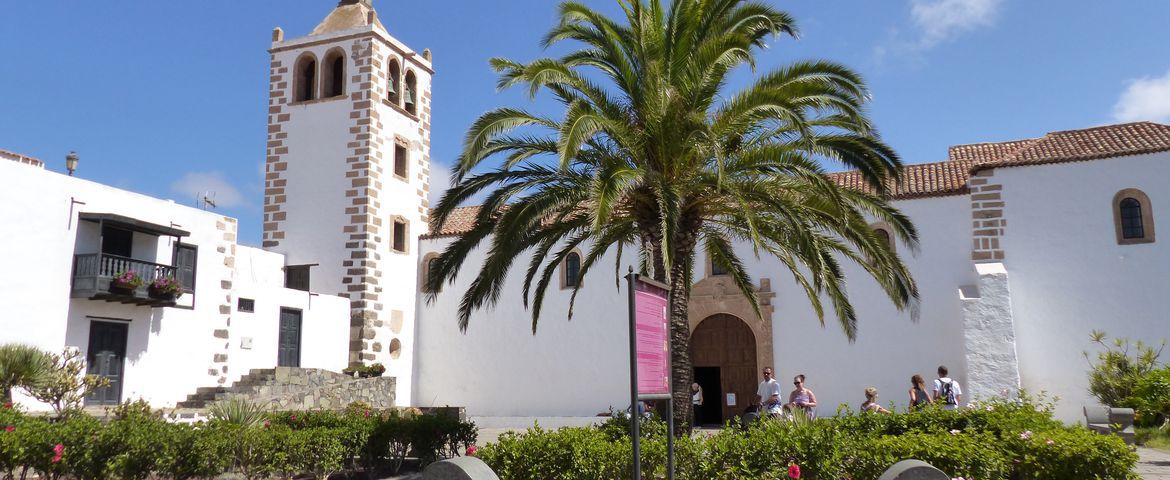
{"x": 794, "y": 471}
{"x": 1027, "y": 435}
{"x": 955, "y": 432}
{"x": 471, "y": 451}
{"x": 292, "y": 418}
{"x": 1050, "y": 442}
{"x": 58, "y": 451}
{"x": 267, "y": 424}
{"x": 9, "y": 429}
{"x": 367, "y": 414}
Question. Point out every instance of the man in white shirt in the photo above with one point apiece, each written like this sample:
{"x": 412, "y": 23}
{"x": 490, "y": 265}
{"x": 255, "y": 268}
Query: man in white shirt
{"x": 947, "y": 390}
{"x": 769, "y": 394}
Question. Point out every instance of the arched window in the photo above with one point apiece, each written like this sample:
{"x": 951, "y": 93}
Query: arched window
{"x": 430, "y": 265}
{"x": 305, "y": 79}
{"x": 411, "y": 94}
{"x": 1133, "y": 217}
{"x": 571, "y": 270}
{"x": 882, "y": 232}
{"x": 394, "y": 88}
{"x": 333, "y": 78}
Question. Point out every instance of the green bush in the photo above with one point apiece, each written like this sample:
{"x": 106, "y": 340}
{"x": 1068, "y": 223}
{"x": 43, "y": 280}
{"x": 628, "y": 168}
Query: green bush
{"x": 998, "y": 440}
{"x": 1069, "y": 453}
{"x": 1151, "y": 397}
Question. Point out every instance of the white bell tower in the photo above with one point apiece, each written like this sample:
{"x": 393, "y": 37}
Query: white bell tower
{"x": 347, "y": 171}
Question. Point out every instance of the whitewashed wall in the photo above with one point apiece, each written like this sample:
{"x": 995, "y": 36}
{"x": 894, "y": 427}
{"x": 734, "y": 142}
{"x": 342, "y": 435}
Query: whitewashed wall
{"x": 169, "y": 350}
{"x": 1068, "y": 274}
{"x": 579, "y": 368}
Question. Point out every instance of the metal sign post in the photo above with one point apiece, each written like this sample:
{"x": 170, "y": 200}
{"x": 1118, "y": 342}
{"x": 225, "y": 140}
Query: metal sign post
{"x": 649, "y": 360}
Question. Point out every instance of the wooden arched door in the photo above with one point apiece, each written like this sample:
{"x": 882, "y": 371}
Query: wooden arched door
{"x": 723, "y": 353}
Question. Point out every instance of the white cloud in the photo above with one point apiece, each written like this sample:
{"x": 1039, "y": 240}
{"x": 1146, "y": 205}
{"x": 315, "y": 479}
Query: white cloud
{"x": 1145, "y": 98}
{"x": 440, "y": 182}
{"x": 193, "y": 185}
{"x": 941, "y": 20}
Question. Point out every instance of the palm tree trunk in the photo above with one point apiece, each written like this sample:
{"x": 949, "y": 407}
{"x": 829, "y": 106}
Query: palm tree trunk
{"x": 681, "y": 373}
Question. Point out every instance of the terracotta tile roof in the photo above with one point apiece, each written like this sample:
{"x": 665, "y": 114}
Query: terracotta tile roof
{"x": 459, "y": 222}
{"x": 1092, "y": 143}
{"x": 16, "y": 157}
{"x": 947, "y": 178}
{"x": 986, "y": 152}
{"x": 919, "y": 180}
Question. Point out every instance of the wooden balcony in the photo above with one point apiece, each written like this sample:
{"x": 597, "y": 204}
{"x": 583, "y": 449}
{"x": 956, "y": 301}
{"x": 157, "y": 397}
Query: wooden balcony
{"x": 93, "y": 272}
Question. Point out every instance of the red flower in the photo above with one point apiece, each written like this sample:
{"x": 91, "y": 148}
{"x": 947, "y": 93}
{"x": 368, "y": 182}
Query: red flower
{"x": 471, "y": 451}
{"x": 9, "y": 429}
{"x": 7, "y": 405}
{"x": 366, "y": 413}
{"x": 58, "y": 450}
{"x": 292, "y": 418}
{"x": 794, "y": 471}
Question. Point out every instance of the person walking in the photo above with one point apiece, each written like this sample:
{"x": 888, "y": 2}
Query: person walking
{"x": 871, "y": 405}
{"x": 696, "y": 402}
{"x": 802, "y": 398}
{"x": 918, "y": 395}
{"x": 947, "y": 390}
{"x": 769, "y": 394}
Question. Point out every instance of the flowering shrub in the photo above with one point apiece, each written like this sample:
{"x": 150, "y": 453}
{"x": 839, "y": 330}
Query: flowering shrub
{"x": 127, "y": 279}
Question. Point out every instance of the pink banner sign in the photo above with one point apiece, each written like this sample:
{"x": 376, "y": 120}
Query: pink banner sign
{"x": 652, "y": 327}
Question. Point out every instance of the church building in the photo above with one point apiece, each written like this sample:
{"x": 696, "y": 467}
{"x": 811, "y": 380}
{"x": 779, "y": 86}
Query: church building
{"x": 1026, "y": 247}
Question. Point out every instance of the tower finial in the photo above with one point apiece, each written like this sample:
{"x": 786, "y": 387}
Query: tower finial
{"x": 368, "y": 3}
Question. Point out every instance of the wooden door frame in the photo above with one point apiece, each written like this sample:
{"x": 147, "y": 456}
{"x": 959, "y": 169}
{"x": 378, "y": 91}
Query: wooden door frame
{"x": 715, "y": 295}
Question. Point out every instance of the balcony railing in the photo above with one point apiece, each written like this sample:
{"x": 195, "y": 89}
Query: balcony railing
{"x": 93, "y": 272}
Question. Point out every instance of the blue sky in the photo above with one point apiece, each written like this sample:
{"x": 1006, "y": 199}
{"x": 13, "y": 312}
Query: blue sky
{"x": 169, "y": 98}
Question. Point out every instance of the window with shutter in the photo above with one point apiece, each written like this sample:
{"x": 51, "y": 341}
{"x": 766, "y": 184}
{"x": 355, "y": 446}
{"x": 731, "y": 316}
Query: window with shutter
{"x": 185, "y": 259}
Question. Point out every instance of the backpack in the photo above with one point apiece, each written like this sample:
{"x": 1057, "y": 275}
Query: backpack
{"x": 947, "y": 392}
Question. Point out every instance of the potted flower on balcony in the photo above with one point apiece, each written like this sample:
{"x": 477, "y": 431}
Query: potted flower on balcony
{"x": 165, "y": 288}
{"x": 125, "y": 282}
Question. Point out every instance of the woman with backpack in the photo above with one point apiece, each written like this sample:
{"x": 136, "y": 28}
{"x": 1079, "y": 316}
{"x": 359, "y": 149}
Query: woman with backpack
{"x": 918, "y": 395}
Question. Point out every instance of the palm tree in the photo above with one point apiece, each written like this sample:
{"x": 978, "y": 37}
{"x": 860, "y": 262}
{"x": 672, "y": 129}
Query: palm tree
{"x": 22, "y": 366}
{"x": 654, "y": 155}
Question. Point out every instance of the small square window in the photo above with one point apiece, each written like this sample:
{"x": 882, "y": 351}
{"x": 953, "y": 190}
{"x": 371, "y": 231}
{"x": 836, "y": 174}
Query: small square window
{"x": 246, "y": 305}
{"x": 399, "y": 236}
{"x": 296, "y": 277}
{"x": 400, "y": 160}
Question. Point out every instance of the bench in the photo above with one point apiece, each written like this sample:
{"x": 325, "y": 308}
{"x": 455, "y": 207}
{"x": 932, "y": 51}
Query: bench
{"x": 1111, "y": 421}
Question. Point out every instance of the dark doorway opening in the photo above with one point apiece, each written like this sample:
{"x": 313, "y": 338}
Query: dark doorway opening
{"x": 711, "y": 412}
{"x": 106, "y": 358}
{"x": 289, "y": 348}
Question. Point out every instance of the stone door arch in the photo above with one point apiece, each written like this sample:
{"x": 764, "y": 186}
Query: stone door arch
{"x": 715, "y": 295}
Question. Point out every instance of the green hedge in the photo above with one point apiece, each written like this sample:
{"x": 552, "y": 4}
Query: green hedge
{"x": 996, "y": 441}
{"x": 137, "y": 444}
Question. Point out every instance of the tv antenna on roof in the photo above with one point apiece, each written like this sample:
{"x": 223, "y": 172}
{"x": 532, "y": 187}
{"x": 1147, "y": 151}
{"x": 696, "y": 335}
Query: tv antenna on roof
{"x": 206, "y": 200}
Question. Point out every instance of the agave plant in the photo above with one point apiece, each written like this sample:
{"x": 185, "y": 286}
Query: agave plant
{"x": 22, "y": 366}
{"x": 238, "y": 412}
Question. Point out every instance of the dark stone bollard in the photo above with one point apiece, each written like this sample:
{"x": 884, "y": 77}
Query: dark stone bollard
{"x": 913, "y": 470}
{"x": 460, "y": 468}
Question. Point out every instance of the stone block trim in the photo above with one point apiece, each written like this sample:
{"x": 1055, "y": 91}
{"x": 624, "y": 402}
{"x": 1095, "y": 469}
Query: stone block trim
{"x": 988, "y": 223}
{"x": 364, "y": 207}
{"x": 221, "y": 332}
{"x": 276, "y": 163}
